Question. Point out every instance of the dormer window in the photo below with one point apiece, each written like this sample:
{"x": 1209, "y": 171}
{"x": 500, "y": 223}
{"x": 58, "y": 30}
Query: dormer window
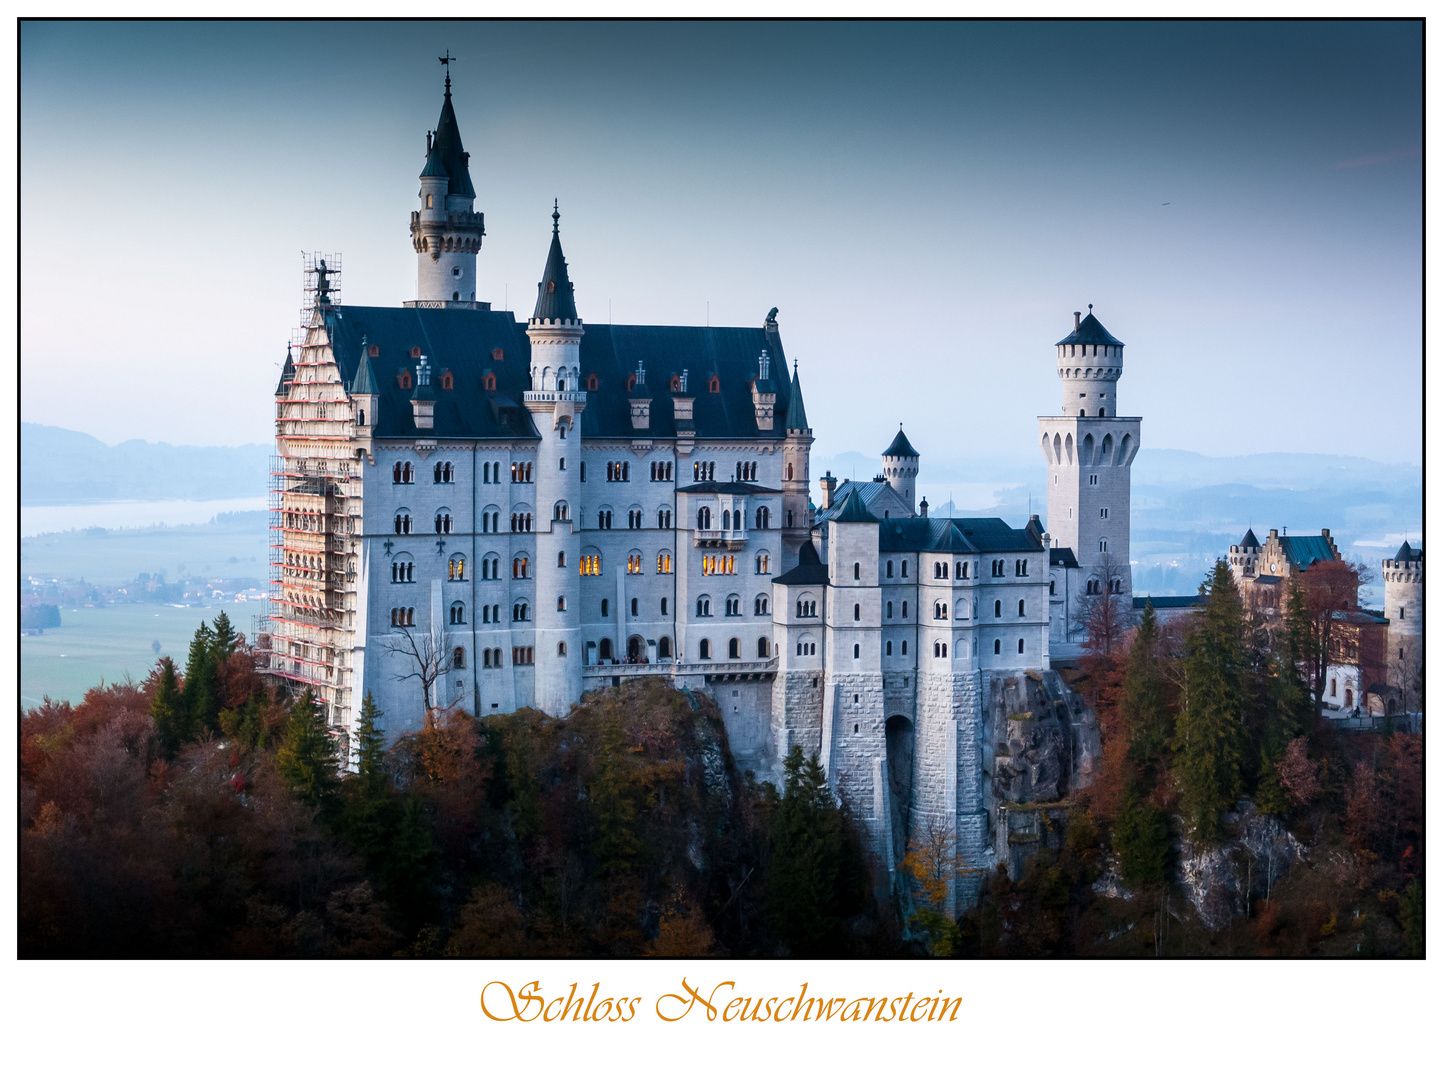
{"x": 403, "y": 379}
{"x": 488, "y": 382}
{"x": 630, "y": 383}
{"x": 713, "y": 385}
{"x": 375, "y": 350}
{"x": 497, "y": 355}
{"x": 550, "y": 287}
{"x": 676, "y": 384}
{"x": 593, "y": 383}
{"x": 448, "y": 382}
{"x": 415, "y": 352}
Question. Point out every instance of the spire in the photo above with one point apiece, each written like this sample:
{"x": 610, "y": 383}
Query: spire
{"x": 900, "y": 446}
{"x": 1249, "y": 540}
{"x": 288, "y": 374}
{"x": 365, "y": 381}
{"x": 446, "y": 152}
{"x": 554, "y": 292}
{"x": 1089, "y": 332}
{"x": 796, "y": 411}
{"x": 853, "y": 509}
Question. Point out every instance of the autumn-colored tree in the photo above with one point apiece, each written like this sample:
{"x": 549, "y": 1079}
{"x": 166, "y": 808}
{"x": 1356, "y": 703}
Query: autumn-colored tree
{"x": 933, "y": 865}
{"x": 307, "y": 757}
{"x": 1298, "y": 774}
{"x": 1104, "y": 612}
{"x": 1210, "y": 740}
{"x": 490, "y": 926}
{"x": 682, "y": 931}
{"x": 1330, "y": 590}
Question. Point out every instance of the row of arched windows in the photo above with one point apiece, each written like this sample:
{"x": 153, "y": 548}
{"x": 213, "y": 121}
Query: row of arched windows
{"x": 734, "y": 649}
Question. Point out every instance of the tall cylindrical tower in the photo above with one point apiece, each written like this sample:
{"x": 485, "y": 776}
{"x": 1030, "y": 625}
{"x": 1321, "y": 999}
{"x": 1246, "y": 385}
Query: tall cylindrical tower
{"x": 1403, "y": 608}
{"x": 899, "y": 465}
{"x": 555, "y": 402}
{"x": 1089, "y": 450}
{"x": 445, "y": 231}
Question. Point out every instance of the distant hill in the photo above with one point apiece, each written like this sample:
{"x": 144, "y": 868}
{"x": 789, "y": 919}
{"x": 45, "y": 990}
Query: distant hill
{"x": 58, "y": 467}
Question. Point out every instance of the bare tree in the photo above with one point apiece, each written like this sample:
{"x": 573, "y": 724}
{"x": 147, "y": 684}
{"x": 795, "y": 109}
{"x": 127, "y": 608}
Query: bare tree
{"x": 1330, "y": 589}
{"x": 1405, "y": 673}
{"x": 431, "y": 662}
{"x": 1104, "y": 611}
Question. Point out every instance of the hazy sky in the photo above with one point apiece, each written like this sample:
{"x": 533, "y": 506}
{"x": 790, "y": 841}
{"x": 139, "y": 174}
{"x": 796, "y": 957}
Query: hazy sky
{"x": 927, "y": 204}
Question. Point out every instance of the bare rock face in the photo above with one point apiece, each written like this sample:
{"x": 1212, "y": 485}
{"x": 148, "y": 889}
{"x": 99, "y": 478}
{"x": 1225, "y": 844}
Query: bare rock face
{"x": 1217, "y": 880}
{"x": 1045, "y": 740}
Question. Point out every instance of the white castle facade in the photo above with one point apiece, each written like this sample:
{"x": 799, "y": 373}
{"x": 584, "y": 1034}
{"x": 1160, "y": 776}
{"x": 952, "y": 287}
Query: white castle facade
{"x": 504, "y": 515}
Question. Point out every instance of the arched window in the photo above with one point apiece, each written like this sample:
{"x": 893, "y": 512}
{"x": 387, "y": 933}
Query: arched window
{"x": 403, "y": 522}
{"x": 456, "y": 568}
{"x": 790, "y": 471}
{"x": 764, "y": 518}
{"x": 403, "y": 569}
{"x": 1052, "y": 587}
{"x": 997, "y": 609}
{"x": 713, "y": 385}
{"x": 663, "y": 648}
{"x": 704, "y": 649}
{"x": 443, "y": 520}
{"x": 488, "y": 382}
{"x": 997, "y": 647}
{"x": 519, "y": 567}
{"x": 458, "y": 659}
{"x": 764, "y": 649}
{"x": 856, "y": 612}
{"x": 889, "y": 609}
{"x": 703, "y": 518}
{"x": 1102, "y": 545}
{"x": 561, "y": 512}
{"x": 734, "y": 649}
{"x": 856, "y": 571}
{"x": 856, "y": 652}
{"x": 561, "y": 648}
{"x": 726, "y": 519}
{"x": 889, "y": 648}
{"x": 603, "y": 651}
{"x": 561, "y": 603}
{"x": 703, "y": 606}
{"x": 403, "y": 379}
{"x": 1021, "y": 608}
{"x": 518, "y": 611}
{"x": 1021, "y": 645}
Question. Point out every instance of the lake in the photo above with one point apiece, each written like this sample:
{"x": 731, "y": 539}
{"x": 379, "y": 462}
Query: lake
{"x": 130, "y": 515}
{"x": 110, "y": 643}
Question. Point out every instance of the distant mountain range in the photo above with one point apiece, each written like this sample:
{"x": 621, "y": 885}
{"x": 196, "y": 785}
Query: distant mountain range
{"x": 59, "y": 467}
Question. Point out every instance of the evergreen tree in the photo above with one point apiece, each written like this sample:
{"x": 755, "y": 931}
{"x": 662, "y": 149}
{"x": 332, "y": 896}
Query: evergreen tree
{"x": 1290, "y": 702}
{"x": 1143, "y": 700}
{"x": 817, "y": 877}
{"x": 201, "y": 691}
{"x": 1211, "y": 737}
{"x": 307, "y": 757}
{"x": 167, "y": 708}
{"x": 371, "y": 746}
{"x": 371, "y": 809}
{"x": 225, "y": 638}
{"x": 1142, "y": 844}
{"x": 613, "y": 803}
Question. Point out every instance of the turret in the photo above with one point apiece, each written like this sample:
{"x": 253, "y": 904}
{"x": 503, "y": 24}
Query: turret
{"x": 556, "y": 402}
{"x": 796, "y": 469}
{"x": 899, "y": 465}
{"x": 365, "y": 398}
{"x": 1089, "y": 363}
{"x": 445, "y": 231}
{"x": 1403, "y": 596}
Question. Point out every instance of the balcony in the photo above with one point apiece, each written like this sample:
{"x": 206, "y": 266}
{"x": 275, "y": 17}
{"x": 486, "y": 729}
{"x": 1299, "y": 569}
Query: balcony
{"x": 730, "y": 539}
{"x": 578, "y": 396}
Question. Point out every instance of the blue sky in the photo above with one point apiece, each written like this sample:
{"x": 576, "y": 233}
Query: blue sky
{"x": 925, "y": 203}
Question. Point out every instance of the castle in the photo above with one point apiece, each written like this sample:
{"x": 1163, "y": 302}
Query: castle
{"x": 474, "y": 512}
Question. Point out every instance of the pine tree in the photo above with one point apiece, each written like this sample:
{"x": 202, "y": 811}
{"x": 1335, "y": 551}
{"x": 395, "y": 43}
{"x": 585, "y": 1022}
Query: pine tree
{"x": 371, "y": 809}
{"x": 307, "y": 757}
{"x": 1211, "y": 737}
{"x": 1142, "y": 844}
{"x": 613, "y": 805}
{"x": 371, "y": 746}
{"x": 167, "y": 708}
{"x": 1143, "y": 699}
{"x": 817, "y": 877}
{"x": 201, "y": 697}
{"x": 224, "y": 638}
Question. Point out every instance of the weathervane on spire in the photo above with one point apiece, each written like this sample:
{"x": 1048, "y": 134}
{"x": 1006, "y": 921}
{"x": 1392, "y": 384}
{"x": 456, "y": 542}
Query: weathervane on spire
{"x": 555, "y": 217}
{"x": 446, "y": 63}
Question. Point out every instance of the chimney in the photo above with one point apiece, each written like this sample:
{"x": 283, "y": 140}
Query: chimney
{"x": 1077, "y": 320}
{"x": 764, "y": 395}
{"x": 922, "y": 510}
{"x": 829, "y": 486}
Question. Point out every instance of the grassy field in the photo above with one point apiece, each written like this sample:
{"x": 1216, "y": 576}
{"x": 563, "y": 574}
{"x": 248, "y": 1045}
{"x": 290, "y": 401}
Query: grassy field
{"x": 110, "y": 643}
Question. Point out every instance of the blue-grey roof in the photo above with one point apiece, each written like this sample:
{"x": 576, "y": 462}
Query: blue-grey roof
{"x": 810, "y": 570}
{"x": 900, "y": 446}
{"x": 1303, "y": 551}
{"x": 465, "y": 341}
{"x": 796, "y": 411}
{"x": 1249, "y": 540}
{"x": 1408, "y": 553}
{"x": 365, "y": 381}
{"x": 446, "y": 148}
{"x": 1160, "y": 602}
{"x": 555, "y": 295}
{"x": 1062, "y": 556}
{"x": 1267, "y": 579}
{"x": 1090, "y": 332}
{"x": 966, "y": 535}
{"x": 853, "y": 510}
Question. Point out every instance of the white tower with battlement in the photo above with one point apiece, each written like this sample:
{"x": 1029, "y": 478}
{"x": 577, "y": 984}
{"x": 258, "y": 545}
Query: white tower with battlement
{"x": 1403, "y": 608}
{"x": 446, "y": 231}
{"x": 1089, "y": 448}
{"x": 899, "y": 465}
{"x": 555, "y": 402}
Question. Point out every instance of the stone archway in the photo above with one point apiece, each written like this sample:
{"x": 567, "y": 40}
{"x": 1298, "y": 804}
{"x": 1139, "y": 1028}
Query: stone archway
{"x": 635, "y": 650}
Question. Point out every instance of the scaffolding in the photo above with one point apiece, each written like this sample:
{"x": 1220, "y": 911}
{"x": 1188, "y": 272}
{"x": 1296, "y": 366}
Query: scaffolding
{"x": 321, "y": 276}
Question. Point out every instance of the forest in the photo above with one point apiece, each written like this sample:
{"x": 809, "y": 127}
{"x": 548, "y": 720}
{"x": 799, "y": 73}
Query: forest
{"x": 204, "y": 813}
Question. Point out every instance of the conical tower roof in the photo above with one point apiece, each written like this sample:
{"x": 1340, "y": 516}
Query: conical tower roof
{"x": 796, "y": 410}
{"x": 447, "y": 152}
{"x": 853, "y": 509}
{"x": 1249, "y": 540}
{"x": 288, "y": 374}
{"x": 365, "y": 381}
{"x": 554, "y": 292}
{"x": 1090, "y": 332}
{"x": 900, "y": 446}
